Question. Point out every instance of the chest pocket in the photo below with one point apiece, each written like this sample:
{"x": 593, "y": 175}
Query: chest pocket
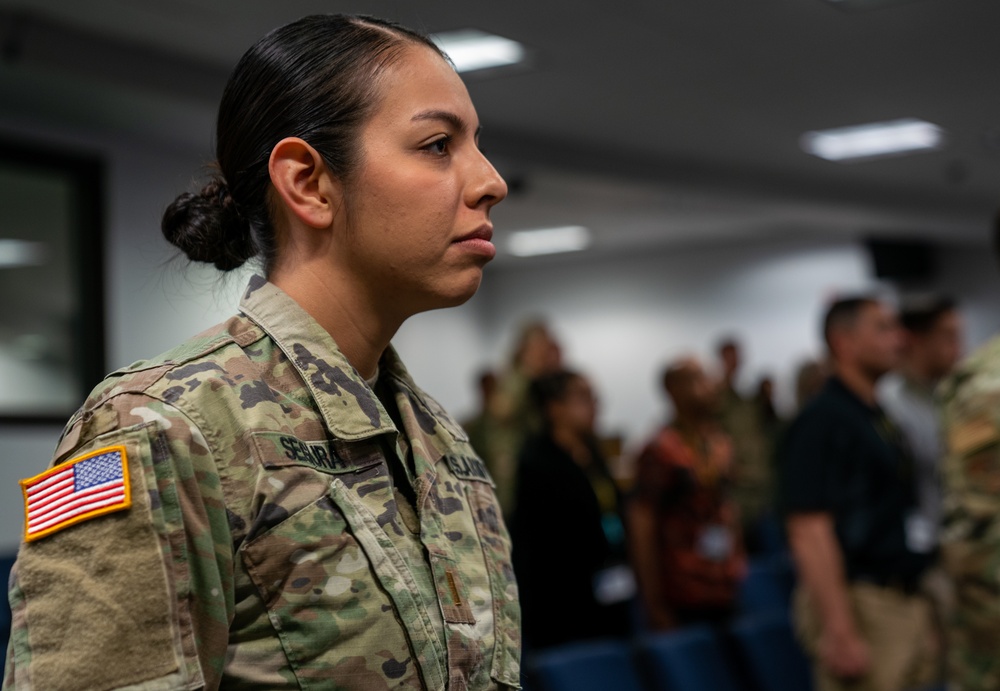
{"x": 325, "y": 599}
{"x": 481, "y": 549}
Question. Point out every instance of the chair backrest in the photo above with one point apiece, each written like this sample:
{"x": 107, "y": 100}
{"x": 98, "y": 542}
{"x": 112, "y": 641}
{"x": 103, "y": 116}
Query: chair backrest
{"x": 591, "y": 666}
{"x": 770, "y": 653}
{"x": 690, "y": 659}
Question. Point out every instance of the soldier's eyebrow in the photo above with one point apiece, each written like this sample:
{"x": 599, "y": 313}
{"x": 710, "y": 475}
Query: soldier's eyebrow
{"x": 457, "y": 123}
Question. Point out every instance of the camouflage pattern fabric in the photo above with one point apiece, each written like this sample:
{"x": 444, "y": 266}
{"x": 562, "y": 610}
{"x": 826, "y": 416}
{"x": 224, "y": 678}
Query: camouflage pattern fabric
{"x": 971, "y": 535}
{"x": 753, "y": 466}
{"x": 268, "y": 547}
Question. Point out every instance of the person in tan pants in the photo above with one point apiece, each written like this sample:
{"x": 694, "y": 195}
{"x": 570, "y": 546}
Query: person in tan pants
{"x": 849, "y": 498}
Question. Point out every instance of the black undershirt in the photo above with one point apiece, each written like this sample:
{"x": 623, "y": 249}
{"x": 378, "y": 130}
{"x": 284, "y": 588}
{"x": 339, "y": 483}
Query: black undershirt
{"x": 400, "y": 479}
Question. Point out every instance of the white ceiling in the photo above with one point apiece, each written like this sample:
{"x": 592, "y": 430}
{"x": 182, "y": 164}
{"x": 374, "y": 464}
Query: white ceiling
{"x": 652, "y": 121}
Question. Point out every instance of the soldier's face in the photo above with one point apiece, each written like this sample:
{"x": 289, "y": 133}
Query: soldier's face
{"x": 577, "y": 410}
{"x": 693, "y": 391}
{"x": 942, "y": 345}
{"x": 876, "y": 339}
{"x": 703, "y": 391}
{"x": 730, "y": 359}
{"x": 417, "y": 209}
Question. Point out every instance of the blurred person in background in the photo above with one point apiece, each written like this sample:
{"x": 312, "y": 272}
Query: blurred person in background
{"x": 536, "y": 353}
{"x": 478, "y": 426}
{"x": 768, "y": 413}
{"x": 684, "y": 530}
{"x": 932, "y": 345}
{"x": 495, "y": 439}
{"x": 970, "y": 540}
{"x": 772, "y": 425}
{"x": 810, "y": 378}
{"x": 517, "y": 418}
{"x": 849, "y": 491}
{"x": 753, "y": 448}
{"x": 570, "y": 554}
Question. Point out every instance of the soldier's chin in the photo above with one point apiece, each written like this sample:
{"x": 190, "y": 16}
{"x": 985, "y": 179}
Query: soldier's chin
{"x": 464, "y": 289}
{"x": 459, "y": 291}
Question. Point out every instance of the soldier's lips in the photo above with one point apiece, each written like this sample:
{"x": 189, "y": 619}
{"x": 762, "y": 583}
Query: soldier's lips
{"x": 478, "y": 241}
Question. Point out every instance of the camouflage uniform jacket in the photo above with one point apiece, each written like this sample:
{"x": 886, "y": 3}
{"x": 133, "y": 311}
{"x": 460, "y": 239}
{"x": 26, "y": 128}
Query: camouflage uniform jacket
{"x": 971, "y": 531}
{"x": 267, "y": 546}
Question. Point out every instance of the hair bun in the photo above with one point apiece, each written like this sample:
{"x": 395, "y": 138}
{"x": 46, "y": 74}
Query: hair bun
{"x": 208, "y": 228}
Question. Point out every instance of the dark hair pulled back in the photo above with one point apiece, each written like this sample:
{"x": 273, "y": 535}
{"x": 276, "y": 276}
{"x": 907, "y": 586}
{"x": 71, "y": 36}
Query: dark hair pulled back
{"x": 316, "y": 79}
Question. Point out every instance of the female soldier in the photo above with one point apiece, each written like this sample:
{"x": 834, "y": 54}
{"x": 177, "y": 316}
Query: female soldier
{"x": 275, "y": 504}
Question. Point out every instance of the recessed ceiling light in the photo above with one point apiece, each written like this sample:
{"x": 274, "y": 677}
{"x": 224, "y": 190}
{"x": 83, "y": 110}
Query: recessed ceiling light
{"x": 14, "y": 253}
{"x": 471, "y": 49}
{"x": 874, "y": 140}
{"x": 529, "y": 243}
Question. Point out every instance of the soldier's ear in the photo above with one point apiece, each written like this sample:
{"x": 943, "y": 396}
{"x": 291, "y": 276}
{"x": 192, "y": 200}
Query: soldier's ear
{"x": 304, "y": 184}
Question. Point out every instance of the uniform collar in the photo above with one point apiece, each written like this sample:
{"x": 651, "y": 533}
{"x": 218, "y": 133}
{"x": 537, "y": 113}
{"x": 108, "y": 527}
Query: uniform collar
{"x": 431, "y": 416}
{"x": 349, "y": 407}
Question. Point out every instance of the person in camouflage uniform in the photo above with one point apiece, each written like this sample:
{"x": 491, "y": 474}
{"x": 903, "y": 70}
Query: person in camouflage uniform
{"x": 970, "y": 537}
{"x": 287, "y": 522}
{"x": 753, "y": 480}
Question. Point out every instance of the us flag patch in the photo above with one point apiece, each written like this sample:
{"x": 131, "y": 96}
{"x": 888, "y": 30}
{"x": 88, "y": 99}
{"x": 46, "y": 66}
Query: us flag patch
{"x": 75, "y": 491}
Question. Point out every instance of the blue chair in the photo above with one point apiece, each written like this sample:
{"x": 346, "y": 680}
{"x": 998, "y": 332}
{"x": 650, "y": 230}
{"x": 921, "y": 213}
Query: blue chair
{"x": 690, "y": 659}
{"x": 770, "y": 654}
{"x": 768, "y": 585}
{"x": 592, "y": 666}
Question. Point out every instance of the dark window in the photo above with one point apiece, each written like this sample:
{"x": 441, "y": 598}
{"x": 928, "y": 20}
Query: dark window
{"x": 51, "y": 281}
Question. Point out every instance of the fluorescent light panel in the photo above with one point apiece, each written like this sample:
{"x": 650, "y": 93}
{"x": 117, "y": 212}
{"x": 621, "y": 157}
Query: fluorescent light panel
{"x": 471, "y": 49}
{"x": 874, "y": 140}
{"x": 529, "y": 243}
{"x": 14, "y": 253}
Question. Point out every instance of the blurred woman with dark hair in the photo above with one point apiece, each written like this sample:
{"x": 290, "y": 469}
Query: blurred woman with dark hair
{"x": 570, "y": 550}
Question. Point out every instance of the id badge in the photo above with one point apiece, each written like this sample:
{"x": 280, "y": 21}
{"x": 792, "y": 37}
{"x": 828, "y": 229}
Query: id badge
{"x": 919, "y": 534}
{"x": 614, "y": 584}
{"x": 715, "y": 542}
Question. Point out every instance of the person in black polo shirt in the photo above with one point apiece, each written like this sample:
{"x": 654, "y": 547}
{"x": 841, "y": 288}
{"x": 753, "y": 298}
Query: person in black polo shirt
{"x": 848, "y": 493}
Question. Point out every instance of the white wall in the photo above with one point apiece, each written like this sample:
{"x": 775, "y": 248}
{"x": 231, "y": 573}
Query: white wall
{"x": 621, "y": 320}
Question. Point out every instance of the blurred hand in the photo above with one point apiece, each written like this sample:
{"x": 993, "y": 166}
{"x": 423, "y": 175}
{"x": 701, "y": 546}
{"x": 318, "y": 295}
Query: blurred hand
{"x": 844, "y": 654}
